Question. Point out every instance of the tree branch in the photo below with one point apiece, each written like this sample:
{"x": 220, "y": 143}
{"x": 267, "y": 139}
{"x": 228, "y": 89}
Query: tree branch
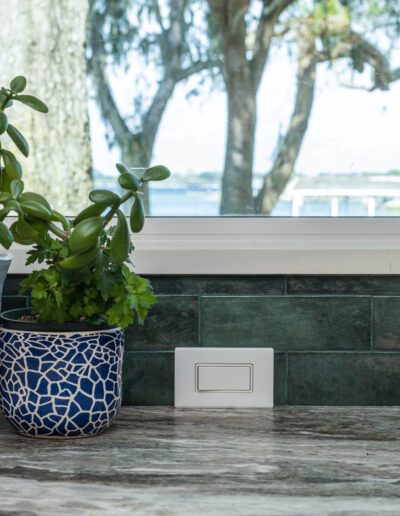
{"x": 176, "y": 33}
{"x": 362, "y": 52}
{"x": 157, "y": 13}
{"x": 275, "y": 181}
{"x": 97, "y": 66}
{"x": 264, "y": 35}
{"x": 173, "y": 71}
{"x": 197, "y": 67}
{"x": 153, "y": 116}
{"x": 276, "y": 6}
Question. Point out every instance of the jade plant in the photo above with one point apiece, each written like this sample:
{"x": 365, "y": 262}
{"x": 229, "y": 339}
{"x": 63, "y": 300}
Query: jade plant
{"x": 86, "y": 272}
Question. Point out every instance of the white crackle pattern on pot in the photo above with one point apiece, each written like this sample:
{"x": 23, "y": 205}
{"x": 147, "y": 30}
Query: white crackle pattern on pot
{"x": 61, "y": 385}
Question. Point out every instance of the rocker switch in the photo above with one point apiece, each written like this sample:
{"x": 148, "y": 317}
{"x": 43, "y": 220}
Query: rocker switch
{"x": 224, "y": 378}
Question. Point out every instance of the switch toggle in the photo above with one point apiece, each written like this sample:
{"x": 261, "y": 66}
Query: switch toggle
{"x": 224, "y": 378}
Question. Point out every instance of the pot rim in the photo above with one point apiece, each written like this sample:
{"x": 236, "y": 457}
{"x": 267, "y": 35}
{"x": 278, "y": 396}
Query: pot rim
{"x": 10, "y": 321}
{"x": 5, "y": 256}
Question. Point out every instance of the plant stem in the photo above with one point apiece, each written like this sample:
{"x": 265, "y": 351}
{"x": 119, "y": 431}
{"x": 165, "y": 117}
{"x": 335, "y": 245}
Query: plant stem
{"x": 57, "y": 231}
{"x": 5, "y": 101}
{"x": 115, "y": 208}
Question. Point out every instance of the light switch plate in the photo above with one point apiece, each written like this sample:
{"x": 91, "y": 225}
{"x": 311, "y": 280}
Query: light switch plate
{"x": 224, "y": 377}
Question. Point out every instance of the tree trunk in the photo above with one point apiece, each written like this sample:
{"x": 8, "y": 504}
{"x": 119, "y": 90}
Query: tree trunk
{"x": 237, "y": 196}
{"x": 276, "y": 180}
{"x": 242, "y": 75}
{"x": 45, "y": 40}
{"x": 241, "y": 98}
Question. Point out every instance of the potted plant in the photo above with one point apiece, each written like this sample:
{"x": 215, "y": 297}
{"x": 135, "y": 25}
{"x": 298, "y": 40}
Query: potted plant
{"x": 61, "y": 360}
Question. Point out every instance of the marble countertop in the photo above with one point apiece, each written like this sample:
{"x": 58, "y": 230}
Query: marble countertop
{"x": 164, "y": 461}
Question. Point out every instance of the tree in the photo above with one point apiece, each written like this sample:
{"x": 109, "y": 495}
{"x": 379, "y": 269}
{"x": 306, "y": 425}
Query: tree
{"x": 322, "y": 33}
{"x": 45, "y": 41}
{"x": 168, "y": 44}
{"x": 242, "y": 70}
{"x": 337, "y": 41}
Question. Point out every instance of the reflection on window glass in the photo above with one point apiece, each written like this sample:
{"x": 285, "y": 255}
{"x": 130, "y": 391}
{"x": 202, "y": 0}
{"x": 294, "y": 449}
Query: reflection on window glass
{"x": 258, "y": 107}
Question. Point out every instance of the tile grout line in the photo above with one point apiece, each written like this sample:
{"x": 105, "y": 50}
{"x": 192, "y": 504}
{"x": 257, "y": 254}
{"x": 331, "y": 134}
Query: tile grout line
{"x": 286, "y": 377}
{"x": 371, "y": 324}
{"x": 199, "y": 320}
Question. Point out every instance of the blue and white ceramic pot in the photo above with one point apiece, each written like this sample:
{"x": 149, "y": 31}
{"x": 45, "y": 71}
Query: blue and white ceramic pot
{"x": 59, "y": 381}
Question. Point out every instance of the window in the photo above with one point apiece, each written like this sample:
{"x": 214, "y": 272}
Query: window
{"x": 266, "y": 107}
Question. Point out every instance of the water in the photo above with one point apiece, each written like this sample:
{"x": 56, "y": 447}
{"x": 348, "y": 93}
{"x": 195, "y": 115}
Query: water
{"x": 191, "y": 200}
{"x": 194, "y": 202}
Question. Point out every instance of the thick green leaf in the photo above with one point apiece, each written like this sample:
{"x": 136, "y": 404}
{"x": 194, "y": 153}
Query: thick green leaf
{"x": 129, "y": 181}
{"x": 80, "y": 260}
{"x": 120, "y": 240}
{"x": 4, "y": 182}
{"x": 85, "y": 234}
{"x": 122, "y": 169}
{"x": 6, "y": 237}
{"x": 12, "y": 165}
{"x": 18, "y": 84}
{"x": 13, "y": 205}
{"x": 3, "y": 122}
{"x": 41, "y": 228}
{"x": 23, "y": 232}
{"x": 137, "y": 215}
{"x": 91, "y": 211}
{"x": 36, "y": 210}
{"x": 35, "y": 197}
{"x": 3, "y": 97}
{"x": 104, "y": 197}
{"x": 56, "y": 216}
{"x": 18, "y": 139}
{"x": 4, "y": 196}
{"x": 32, "y": 102}
{"x": 157, "y": 173}
{"x": 3, "y": 214}
{"x": 16, "y": 187}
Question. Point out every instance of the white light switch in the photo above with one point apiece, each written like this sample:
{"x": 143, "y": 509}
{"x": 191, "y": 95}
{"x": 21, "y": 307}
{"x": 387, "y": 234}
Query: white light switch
{"x": 224, "y": 377}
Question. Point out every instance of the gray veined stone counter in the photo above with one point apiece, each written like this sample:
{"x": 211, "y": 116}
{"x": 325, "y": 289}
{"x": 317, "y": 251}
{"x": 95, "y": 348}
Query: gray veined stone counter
{"x": 161, "y": 461}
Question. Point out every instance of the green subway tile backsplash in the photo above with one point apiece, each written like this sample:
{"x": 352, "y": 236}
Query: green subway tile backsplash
{"x": 344, "y": 378}
{"x": 343, "y": 285}
{"x": 148, "y": 378}
{"x": 219, "y": 285}
{"x": 172, "y": 322}
{"x": 13, "y": 302}
{"x": 11, "y": 285}
{"x": 287, "y": 323}
{"x": 337, "y": 338}
{"x": 280, "y": 374}
{"x": 386, "y": 322}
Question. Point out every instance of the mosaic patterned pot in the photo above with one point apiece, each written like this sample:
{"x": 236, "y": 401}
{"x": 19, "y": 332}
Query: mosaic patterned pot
{"x": 64, "y": 383}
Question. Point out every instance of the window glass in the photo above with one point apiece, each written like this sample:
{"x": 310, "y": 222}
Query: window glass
{"x": 258, "y": 107}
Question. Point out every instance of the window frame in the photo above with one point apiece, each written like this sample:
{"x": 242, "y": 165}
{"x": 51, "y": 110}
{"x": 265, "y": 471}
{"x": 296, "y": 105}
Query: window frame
{"x": 260, "y": 245}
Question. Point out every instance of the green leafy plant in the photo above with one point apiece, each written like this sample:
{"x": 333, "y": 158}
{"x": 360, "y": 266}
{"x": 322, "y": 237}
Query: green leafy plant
{"x": 86, "y": 274}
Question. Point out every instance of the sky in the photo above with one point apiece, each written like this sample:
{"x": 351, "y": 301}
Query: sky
{"x": 350, "y": 130}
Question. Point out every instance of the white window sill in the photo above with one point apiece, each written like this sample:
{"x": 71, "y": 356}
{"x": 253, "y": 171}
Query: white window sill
{"x": 250, "y": 245}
